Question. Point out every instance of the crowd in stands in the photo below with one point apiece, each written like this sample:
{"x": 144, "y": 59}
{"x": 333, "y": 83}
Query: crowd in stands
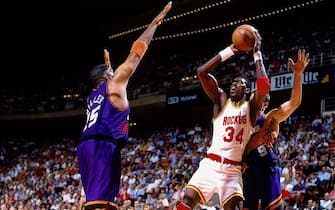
{"x": 177, "y": 70}
{"x": 35, "y": 174}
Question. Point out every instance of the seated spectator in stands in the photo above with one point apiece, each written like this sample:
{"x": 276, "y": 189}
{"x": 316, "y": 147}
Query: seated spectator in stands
{"x": 159, "y": 205}
{"x": 298, "y": 191}
{"x": 326, "y": 202}
{"x": 163, "y": 199}
{"x": 302, "y": 155}
{"x": 309, "y": 204}
{"x": 126, "y": 204}
{"x": 314, "y": 163}
{"x": 324, "y": 176}
{"x": 140, "y": 190}
{"x": 150, "y": 200}
{"x": 137, "y": 205}
{"x": 306, "y": 168}
{"x": 123, "y": 194}
{"x": 288, "y": 169}
{"x": 132, "y": 192}
{"x": 317, "y": 121}
{"x": 285, "y": 194}
{"x": 312, "y": 183}
{"x": 316, "y": 205}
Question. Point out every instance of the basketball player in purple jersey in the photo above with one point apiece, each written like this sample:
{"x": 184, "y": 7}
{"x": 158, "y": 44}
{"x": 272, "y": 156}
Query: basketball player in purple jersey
{"x": 262, "y": 178}
{"x": 106, "y": 128}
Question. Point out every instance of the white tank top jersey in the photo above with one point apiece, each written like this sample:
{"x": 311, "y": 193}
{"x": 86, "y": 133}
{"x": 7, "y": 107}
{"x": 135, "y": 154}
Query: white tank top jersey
{"x": 231, "y": 131}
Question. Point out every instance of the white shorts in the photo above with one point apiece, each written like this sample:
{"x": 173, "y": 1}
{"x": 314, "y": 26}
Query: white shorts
{"x": 212, "y": 176}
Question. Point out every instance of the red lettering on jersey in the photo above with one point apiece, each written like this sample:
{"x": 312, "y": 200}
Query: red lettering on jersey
{"x": 234, "y": 120}
{"x": 224, "y": 120}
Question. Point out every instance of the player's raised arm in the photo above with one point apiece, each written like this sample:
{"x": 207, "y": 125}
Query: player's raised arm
{"x": 288, "y": 107}
{"x": 262, "y": 81}
{"x": 139, "y": 47}
{"x": 207, "y": 80}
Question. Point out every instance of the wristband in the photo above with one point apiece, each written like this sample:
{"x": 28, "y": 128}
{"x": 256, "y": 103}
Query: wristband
{"x": 258, "y": 56}
{"x": 139, "y": 47}
{"x": 263, "y": 86}
{"x": 226, "y": 53}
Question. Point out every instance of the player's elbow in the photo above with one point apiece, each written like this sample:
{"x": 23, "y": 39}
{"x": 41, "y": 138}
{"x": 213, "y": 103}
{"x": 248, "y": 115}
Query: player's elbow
{"x": 128, "y": 67}
{"x": 296, "y": 100}
{"x": 201, "y": 71}
{"x": 294, "y": 104}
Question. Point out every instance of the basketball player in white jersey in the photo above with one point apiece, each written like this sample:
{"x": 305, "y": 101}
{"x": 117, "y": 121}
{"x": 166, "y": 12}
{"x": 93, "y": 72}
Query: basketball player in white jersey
{"x": 233, "y": 120}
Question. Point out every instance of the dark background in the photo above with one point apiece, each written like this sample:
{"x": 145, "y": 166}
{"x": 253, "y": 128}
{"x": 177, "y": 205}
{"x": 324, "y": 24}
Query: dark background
{"x": 59, "y": 41}
{"x": 51, "y": 40}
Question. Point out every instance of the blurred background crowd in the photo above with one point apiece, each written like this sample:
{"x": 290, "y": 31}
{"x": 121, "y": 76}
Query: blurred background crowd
{"x": 40, "y": 119}
{"x": 43, "y": 173}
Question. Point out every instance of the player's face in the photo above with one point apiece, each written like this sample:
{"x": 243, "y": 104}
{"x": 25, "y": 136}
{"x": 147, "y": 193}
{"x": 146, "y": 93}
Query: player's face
{"x": 237, "y": 88}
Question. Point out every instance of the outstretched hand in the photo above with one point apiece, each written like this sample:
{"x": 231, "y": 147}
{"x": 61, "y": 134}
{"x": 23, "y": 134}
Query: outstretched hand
{"x": 302, "y": 62}
{"x": 107, "y": 59}
{"x": 159, "y": 18}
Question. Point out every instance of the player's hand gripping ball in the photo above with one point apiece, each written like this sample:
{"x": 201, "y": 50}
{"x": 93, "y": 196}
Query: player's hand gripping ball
{"x": 243, "y": 37}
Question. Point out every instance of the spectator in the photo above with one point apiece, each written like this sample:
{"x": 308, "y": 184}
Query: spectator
{"x": 298, "y": 192}
{"x": 326, "y": 202}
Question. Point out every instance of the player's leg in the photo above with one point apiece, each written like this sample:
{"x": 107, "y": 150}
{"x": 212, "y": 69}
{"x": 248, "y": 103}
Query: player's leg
{"x": 230, "y": 187}
{"x": 201, "y": 186}
{"x": 190, "y": 200}
{"x": 233, "y": 203}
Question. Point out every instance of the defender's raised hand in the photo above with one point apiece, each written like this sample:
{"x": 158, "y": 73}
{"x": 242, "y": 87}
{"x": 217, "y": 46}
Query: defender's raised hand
{"x": 159, "y": 18}
{"x": 107, "y": 58}
{"x": 302, "y": 62}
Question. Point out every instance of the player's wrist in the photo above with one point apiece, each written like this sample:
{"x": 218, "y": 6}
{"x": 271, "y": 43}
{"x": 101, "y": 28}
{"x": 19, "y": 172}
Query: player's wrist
{"x": 258, "y": 56}
{"x": 226, "y": 53}
{"x": 263, "y": 86}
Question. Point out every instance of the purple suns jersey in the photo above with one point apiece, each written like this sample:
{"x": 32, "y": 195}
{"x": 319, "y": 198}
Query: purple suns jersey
{"x": 260, "y": 121}
{"x": 261, "y": 180}
{"x": 104, "y": 121}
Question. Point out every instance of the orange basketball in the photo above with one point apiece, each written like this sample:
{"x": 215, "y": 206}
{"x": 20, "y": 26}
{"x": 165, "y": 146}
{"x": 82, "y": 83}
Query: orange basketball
{"x": 243, "y": 37}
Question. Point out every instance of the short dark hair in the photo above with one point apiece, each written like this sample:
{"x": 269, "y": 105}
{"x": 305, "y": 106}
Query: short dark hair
{"x": 242, "y": 77}
{"x": 97, "y": 73}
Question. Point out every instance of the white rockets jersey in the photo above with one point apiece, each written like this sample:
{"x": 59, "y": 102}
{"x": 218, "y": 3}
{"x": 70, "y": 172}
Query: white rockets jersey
{"x": 231, "y": 131}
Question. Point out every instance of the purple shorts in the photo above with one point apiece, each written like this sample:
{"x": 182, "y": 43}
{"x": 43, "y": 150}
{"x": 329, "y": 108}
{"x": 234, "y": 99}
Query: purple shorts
{"x": 100, "y": 169}
{"x": 262, "y": 180}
